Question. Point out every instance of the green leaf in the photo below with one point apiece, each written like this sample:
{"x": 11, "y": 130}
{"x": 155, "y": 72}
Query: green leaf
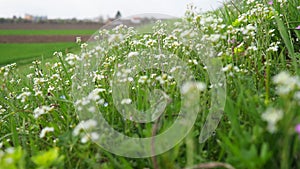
{"x": 48, "y": 158}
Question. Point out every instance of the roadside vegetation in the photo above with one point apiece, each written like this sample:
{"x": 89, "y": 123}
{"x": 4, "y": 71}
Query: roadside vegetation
{"x": 257, "y": 42}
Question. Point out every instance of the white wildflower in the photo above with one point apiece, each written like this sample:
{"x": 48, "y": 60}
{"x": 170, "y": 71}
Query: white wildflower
{"x": 39, "y": 81}
{"x": 57, "y": 54}
{"x": 101, "y": 101}
{"x": 189, "y": 86}
{"x": 195, "y": 62}
{"x": 282, "y": 1}
{"x": 281, "y": 78}
{"x": 215, "y": 37}
{"x": 142, "y": 79}
{"x": 160, "y": 79}
{"x": 273, "y": 48}
{"x": 250, "y": 1}
{"x": 130, "y": 79}
{"x": 297, "y": 97}
{"x": 84, "y": 125}
{"x": 90, "y": 136}
{"x": 227, "y": 68}
{"x": 71, "y": 58}
{"x": 84, "y": 45}
{"x": 286, "y": 83}
{"x": 9, "y": 160}
{"x": 10, "y": 150}
{"x": 94, "y": 95}
{"x": 272, "y": 116}
{"x": 131, "y": 54}
{"x": 38, "y": 93}
{"x": 42, "y": 110}
{"x": 254, "y": 48}
{"x": 23, "y": 96}
{"x": 271, "y": 31}
{"x": 29, "y": 76}
{"x": 98, "y": 77}
{"x": 78, "y": 39}
{"x": 55, "y": 76}
{"x": 171, "y": 71}
{"x": 92, "y": 109}
{"x": 150, "y": 43}
{"x": 46, "y": 130}
{"x": 26, "y": 106}
{"x": 2, "y": 110}
{"x": 126, "y": 101}
{"x": 50, "y": 89}
{"x": 115, "y": 37}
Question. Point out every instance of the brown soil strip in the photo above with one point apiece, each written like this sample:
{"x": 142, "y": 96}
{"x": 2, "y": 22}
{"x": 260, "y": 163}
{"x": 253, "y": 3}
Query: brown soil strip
{"x": 47, "y": 26}
{"x": 40, "y": 38}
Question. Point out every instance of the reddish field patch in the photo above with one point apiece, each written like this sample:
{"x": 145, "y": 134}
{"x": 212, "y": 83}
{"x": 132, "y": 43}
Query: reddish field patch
{"x": 47, "y": 26}
{"x": 40, "y": 38}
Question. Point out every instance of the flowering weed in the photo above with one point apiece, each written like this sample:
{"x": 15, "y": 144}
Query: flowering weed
{"x": 256, "y": 41}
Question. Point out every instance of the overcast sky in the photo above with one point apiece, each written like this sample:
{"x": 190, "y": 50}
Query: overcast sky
{"x": 94, "y": 8}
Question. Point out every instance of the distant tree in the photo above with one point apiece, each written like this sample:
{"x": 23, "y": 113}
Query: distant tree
{"x": 74, "y": 20}
{"x": 100, "y": 19}
{"x": 118, "y": 15}
{"x": 2, "y": 20}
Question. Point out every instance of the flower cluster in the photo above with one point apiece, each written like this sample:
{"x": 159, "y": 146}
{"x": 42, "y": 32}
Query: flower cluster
{"x": 86, "y": 127}
{"x": 5, "y": 70}
{"x": 93, "y": 96}
{"x": 288, "y": 88}
{"x": 46, "y": 130}
{"x": 42, "y": 110}
{"x": 2, "y": 109}
{"x": 287, "y": 84}
{"x": 272, "y": 116}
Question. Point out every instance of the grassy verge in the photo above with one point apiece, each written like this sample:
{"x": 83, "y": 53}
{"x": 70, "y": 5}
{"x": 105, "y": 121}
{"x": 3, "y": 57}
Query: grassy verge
{"x": 24, "y": 53}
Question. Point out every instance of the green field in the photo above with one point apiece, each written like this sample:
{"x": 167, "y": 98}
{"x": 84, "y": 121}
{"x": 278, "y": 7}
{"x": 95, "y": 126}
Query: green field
{"x": 24, "y": 53}
{"x": 46, "y": 32}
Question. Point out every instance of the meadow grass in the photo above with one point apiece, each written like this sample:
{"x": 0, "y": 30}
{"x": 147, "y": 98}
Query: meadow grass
{"x": 26, "y": 53}
{"x": 42, "y": 125}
